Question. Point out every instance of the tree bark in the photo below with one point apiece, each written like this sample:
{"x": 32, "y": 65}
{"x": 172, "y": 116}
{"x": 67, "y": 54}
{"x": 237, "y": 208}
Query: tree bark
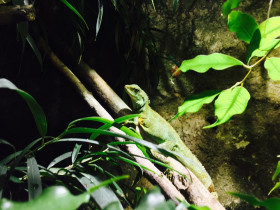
{"x": 16, "y": 14}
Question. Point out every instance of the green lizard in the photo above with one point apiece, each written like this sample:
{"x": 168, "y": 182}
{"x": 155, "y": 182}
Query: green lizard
{"x": 160, "y": 131}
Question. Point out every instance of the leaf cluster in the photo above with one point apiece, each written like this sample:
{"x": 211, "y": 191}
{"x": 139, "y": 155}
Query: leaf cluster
{"x": 261, "y": 40}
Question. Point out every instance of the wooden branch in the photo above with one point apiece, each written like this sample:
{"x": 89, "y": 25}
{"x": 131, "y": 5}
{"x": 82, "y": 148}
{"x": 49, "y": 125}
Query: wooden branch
{"x": 16, "y": 14}
{"x": 157, "y": 176}
{"x": 195, "y": 190}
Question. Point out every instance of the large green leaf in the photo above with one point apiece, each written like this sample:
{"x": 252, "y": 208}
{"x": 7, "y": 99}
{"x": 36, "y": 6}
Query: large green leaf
{"x": 52, "y": 198}
{"x": 244, "y": 25}
{"x": 203, "y": 63}
{"x": 272, "y": 66}
{"x": 193, "y": 103}
{"x": 228, "y": 6}
{"x": 269, "y": 204}
{"x": 37, "y": 111}
{"x": 155, "y": 200}
{"x": 230, "y": 102}
{"x": 34, "y": 179}
{"x": 269, "y": 31}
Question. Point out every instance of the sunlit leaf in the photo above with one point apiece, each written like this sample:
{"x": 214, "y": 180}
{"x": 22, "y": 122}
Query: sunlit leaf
{"x": 193, "y": 207}
{"x": 75, "y": 152}
{"x": 269, "y": 31}
{"x": 272, "y": 66}
{"x": 203, "y": 63}
{"x": 59, "y": 159}
{"x": 269, "y": 204}
{"x": 230, "y": 102}
{"x": 37, "y": 111}
{"x": 34, "y": 179}
{"x": 66, "y": 3}
{"x": 193, "y": 103}
{"x": 52, "y": 198}
{"x": 103, "y": 196}
{"x": 244, "y": 25}
{"x": 155, "y": 200}
{"x": 228, "y": 6}
{"x": 277, "y": 171}
{"x": 276, "y": 186}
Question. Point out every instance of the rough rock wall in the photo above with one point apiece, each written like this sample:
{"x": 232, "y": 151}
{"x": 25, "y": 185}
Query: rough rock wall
{"x": 241, "y": 154}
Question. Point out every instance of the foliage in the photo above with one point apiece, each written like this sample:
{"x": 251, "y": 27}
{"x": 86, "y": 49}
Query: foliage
{"x": 261, "y": 40}
{"x": 67, "y": 187}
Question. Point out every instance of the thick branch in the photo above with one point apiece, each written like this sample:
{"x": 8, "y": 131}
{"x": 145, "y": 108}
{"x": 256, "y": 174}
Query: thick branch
{"x": 16, "y": 14}
{"x": 162, "y": 181}
{"x": 196, "y": 191}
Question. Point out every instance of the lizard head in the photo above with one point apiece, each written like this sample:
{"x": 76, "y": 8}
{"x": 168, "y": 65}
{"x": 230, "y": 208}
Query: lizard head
{"x": 138, "y": 97}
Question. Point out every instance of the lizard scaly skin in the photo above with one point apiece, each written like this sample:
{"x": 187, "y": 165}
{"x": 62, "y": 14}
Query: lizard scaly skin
{"x": 159, "y": 130}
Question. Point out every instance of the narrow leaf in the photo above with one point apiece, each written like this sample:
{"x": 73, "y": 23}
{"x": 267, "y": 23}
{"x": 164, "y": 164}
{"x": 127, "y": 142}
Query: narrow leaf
{"x": 66, "y": 3}
{"x": 75, "y": 152}
{"x": 103, "y": 196}
{"x": 34, "y": 179}
{"x": 37, "y": 111}
{"x": 35, "y": 49}
{"x": 59, "y": 159}
{"x": 23, "y": 31}
{"x": 276, "y": 186}
{"x": 272, "y": 66}
{"x": 203, "y": 63}
{"x": 99, "y": 17}
{"x": 269, "y": 204}
{"x": 277, "y": 171}
{"x": 228, "y": 6}
{"x": 244, "y": 25}
{"x": 3, "y": 175}
{"x": 52, "y": 198}
{"x": 175, "y": 4}
{"x": 2, "y": 141}
{"x": 193, "y": 103}
{"x": 230, "y": 102}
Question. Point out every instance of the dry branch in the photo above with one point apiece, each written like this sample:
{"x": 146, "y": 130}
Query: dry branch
{"x": 16, "y": 14}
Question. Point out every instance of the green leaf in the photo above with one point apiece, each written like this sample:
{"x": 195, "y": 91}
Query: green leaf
{"x": 75, "y": 152}
{"x": 277, "y": 171}
{"x": 228, "y": 6}
{"x": 269, "y": 204}
{"x": 99, "y": 17}
{"x": 103, "y": 196}
{"x": 155, "y": 200}
{"x": 230, "y": 102}
{"x": 59, "y": 159}
{"x": 23, "y": 31}
{"x": 67, "y": 4}
{"x": 269, "y": 31}
{"x": 34, "y": 179}
{"x": 2, "y": 141}
{"x": 37, "y": 111}
{"x": 175, "y": 4}
{"x": 52, "y": 198}
{"x": 35, "y": 49}
{"x": 193, "y": 207}
{"x": 203, "y": 63}
{"x": 276, "y": 186}
{"x": 193, "y": 103}
{"x": 272, "y": 66}
{"x": 243, "y": 25}
{"x": 3, "y": 176}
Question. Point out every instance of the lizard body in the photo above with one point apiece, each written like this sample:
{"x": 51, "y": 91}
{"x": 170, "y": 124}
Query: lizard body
{"x": 160, "y": 131}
